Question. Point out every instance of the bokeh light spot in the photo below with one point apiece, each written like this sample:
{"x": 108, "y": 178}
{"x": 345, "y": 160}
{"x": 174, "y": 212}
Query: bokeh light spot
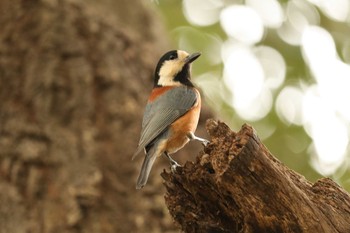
{"x": 244, "y": 76}
{"x": 289, "y": 105}
{"x": 202, "y": 13}
{"x": 242, "y": 23}
{"x": 257, "y": 108}
{"x": 328, "y": 132}
{"x": 270, "y": 12}
{"x": 317, "y": 45}
{"x": 273, "y": 65}
{"x": 299, "y": 15}
{"x": 337, "y": 10}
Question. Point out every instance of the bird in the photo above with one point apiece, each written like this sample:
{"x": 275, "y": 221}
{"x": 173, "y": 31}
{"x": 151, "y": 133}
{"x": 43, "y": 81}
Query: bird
{"x": 171, "y": 114}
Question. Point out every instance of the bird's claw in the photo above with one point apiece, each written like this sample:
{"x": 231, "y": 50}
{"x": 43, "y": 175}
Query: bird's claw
{"x": 205, "y": 142}
{"x": 191, "y": 136}
{"x": 173, "y": 166}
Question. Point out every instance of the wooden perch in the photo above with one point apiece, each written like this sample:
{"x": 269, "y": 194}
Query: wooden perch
{"x": 236, "y": 185}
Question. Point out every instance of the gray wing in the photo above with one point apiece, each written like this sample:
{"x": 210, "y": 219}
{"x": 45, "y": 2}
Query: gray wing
{"x": 164, "y": 111}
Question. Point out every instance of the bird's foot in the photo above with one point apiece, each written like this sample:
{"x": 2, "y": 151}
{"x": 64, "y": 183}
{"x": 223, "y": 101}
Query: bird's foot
{"x": 174, "y": 165}
{"x": 204, "y": 142}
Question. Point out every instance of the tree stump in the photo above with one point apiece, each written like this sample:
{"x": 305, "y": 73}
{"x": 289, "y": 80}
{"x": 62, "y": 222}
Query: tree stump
{"x": 237, "y": 185}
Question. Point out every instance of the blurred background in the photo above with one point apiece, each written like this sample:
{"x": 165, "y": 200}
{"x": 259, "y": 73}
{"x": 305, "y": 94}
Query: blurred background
{"x": 75, "y": 76}
{"x": 281, "y": 66}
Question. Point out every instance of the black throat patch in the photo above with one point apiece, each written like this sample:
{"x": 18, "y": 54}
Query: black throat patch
{"x": 184, "y": 76}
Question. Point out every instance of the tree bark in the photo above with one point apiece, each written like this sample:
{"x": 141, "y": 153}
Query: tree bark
{"x": 236, "y": 185}
{"x": 74, "y": 78}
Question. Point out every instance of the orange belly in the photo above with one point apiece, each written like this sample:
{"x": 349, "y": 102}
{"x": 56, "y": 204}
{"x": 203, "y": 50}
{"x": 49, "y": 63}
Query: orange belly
{"x": 181, "y": 127}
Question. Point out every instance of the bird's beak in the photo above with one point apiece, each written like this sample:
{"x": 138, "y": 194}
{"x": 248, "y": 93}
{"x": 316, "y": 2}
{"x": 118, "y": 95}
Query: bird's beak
{"x": 192, "y": 57}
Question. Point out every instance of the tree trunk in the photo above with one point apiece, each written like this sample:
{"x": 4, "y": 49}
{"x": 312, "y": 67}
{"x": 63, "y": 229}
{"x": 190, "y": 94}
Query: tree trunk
{"x": 236, "y": 185}
{"x": 74, "y": 77}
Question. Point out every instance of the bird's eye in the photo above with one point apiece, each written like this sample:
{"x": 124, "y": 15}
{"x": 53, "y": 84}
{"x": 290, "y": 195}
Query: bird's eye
{"x": 172, "y": 57}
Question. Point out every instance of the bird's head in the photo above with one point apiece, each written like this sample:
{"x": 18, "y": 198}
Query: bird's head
{"x": 174, "y": 69}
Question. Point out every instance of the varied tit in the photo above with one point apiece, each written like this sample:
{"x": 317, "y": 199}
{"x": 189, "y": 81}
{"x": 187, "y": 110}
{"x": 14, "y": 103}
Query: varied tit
{"x": 172, "y": 112}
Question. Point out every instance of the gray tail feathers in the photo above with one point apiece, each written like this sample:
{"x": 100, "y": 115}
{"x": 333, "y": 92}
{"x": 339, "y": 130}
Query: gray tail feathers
{"x": 146, "y": 168}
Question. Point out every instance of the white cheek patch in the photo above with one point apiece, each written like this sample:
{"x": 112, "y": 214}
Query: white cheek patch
{"x": 168, "y": 71}
{"x": 170, "y": 68}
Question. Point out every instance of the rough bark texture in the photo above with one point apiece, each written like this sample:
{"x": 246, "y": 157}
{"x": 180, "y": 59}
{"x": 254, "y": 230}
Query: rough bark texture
{"x": 236, "y": 185}
{"x": 74, "y": 77}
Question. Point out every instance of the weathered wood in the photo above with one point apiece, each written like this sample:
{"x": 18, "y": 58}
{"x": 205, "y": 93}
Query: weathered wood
{"x": 236, "y": 185}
